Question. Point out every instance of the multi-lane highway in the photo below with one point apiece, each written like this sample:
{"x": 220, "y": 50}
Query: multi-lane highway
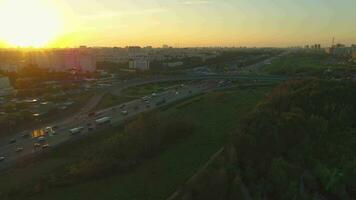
{"x": 24, "y": 144}
{"x": 28, "y": 145}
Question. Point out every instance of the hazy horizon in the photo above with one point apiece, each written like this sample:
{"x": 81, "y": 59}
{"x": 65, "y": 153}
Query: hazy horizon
{"x": 178, "y": 23}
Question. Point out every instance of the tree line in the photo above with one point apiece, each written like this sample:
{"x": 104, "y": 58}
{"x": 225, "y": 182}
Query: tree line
{"x": 298, "y": 143}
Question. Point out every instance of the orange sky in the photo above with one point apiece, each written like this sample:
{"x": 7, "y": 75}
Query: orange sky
{"x": 64, "y": 23}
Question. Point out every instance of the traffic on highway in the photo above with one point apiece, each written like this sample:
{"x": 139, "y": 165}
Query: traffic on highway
{"x": 33, "y": 142}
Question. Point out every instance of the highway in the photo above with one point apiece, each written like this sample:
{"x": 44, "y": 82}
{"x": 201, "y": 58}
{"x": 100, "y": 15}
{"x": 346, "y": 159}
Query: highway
{"x": 25, "y": 146}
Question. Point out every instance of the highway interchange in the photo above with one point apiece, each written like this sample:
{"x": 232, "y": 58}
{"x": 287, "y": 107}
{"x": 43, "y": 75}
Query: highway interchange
{"x": 25, "y": 144}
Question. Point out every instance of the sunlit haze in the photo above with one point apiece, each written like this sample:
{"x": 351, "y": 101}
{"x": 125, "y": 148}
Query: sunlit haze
{"x": 63, "y": 23}
{"x": 28, "y": 22}
{"x": 203, "y": 99}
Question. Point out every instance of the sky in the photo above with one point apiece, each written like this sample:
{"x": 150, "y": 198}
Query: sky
{"x": 186, "y": 23}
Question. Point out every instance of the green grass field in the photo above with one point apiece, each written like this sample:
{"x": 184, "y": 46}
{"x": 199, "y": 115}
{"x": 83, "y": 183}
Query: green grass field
{"x": 215, "y": 116}
{"x": 148, "y": 89}
{"x": 110, "y": 100}
{"x": 303, "y": 63}
{"x": 134, "y": 93}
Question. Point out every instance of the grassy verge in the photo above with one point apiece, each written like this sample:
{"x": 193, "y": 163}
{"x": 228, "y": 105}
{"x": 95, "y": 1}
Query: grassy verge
{"x": 308, "y": 63}
{"x": 110, "y": 100}
{"x": 148, "y": 89}
{"x": 134, "y": 93}
{"x": 215, "y": 115}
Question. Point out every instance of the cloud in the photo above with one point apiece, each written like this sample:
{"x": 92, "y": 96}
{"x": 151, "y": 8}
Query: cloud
{"x": 111, "y": 14}
{"x": 100, "y": 15}
{"x": 196, "y": 2}
{"x": 143, "y": 12}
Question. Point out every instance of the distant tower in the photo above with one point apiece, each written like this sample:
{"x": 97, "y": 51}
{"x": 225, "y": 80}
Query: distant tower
{"x": 333, "y": 43}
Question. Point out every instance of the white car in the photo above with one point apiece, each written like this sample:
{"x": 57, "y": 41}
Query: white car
{"x": 49, "y": 130}
{"x": 104, "y": 120}
{"x": 41, "y": 139}
{"x": 19, "y": 149}
{"x": 76, "y": 130}
{"x": 145, "y": 98}
{"x": 2, "y": 158}
{"x": 125, "y": 112}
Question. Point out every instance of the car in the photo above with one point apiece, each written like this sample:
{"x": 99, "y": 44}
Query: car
{"x": 12, "y": 141}
{"x": 77, "y": 130}
{"x": 45, "y": 146}
{"x": 36, "y": 145}
{"x": 103, "y": 121}
{"x": 19, "y": 149}
{"x": 125, "y": 112}
{"x": 41, "y": 139}
{"x": 49, "y": 130}
{"x": 154, "y": 94}
{"x": 122, "y": 106}
{"x": 2, "y": 158}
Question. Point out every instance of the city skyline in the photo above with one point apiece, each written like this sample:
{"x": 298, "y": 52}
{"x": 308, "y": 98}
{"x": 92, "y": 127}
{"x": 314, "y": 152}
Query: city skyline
{"x": 179, "y": 23}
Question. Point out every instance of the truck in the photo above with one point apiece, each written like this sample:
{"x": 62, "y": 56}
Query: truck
{"x": 103, "y": 120}
{"x": 77, "y": 130}
{"x": 49, "y": 131}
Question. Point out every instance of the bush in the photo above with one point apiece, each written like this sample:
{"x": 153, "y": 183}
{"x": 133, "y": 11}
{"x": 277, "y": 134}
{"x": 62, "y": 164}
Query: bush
{"x": 302, "y": 126}
{"x": 140, "y": 139}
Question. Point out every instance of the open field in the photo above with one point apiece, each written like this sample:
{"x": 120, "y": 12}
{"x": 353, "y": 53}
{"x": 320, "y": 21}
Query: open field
{"x": 135, "y": 93}
{"x": 304, "y": 63}
{"x": 110, "y": 100}
{"x": 142, "y": 90}
{"x": 215, "y": 115}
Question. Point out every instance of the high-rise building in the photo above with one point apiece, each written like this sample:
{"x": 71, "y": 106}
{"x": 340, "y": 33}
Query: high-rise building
{"x": 5, "y": 87}
{"x": 354, "y": 55}
{"x": 139, "y": 64}
{"x": 112, "y": 55}
{"x": 138, "y": 58}
{"x": 80, "y": 60}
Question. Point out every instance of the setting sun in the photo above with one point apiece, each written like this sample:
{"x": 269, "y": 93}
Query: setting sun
{"x": 30, "y": 23}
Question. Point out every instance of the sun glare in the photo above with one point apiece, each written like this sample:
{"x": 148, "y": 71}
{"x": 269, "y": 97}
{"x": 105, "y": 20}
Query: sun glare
{"x": 28, "y": 23}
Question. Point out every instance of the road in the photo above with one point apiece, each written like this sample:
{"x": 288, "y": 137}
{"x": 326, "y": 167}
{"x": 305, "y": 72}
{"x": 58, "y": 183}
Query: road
{"x": 80, "y": 119}
{"x": 62, "y": 134}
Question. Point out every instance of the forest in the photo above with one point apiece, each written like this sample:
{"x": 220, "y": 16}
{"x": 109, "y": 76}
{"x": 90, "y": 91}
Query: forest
{"x": 298, "y": 143}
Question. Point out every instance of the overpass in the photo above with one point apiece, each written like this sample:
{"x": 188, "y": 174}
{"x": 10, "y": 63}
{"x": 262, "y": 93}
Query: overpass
{"x": 116, "y": 89}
